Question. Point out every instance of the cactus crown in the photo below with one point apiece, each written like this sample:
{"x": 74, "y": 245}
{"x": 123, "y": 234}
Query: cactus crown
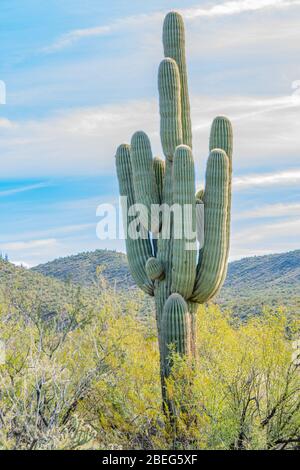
{"x": 172, "y": 269}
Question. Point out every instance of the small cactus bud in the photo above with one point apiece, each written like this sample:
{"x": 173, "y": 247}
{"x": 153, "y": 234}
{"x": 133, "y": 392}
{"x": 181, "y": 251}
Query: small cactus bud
{"x": 154, "y": 269}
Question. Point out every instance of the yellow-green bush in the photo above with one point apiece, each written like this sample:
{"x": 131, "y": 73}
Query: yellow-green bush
{"x": 91, "y": 380}
{"x": 245, "y": 391}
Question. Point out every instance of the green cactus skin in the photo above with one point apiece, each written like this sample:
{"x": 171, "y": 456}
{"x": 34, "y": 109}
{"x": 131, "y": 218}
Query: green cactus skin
{"x": 139, "y": 250}
{"x": 184, "y": 248}
{"x": 170, "y": 107}
{"x": 176, "y": 325}
{"x": 221, "y": 136}
{"x": 144, "y": 182}
{"x": 174, "y": 47}
{"x": 210, "y": 268}
{"x": 159, "y": 172}
{"x": 179, "y": 278}
{"x": 155, "y": 269}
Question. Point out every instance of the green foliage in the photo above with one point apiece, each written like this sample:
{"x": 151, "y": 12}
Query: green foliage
{"x": 245, "y": 391}
{"x": 52, "y": 364}
{"x": 91, "y": 380}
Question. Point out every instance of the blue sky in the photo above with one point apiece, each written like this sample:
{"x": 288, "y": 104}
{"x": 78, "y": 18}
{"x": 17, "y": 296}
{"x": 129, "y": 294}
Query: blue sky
{"x": 81, "y": 77}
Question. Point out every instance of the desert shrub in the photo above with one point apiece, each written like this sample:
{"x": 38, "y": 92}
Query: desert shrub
{"x": 245, "y": 391}
{"x": 89, "y": 378}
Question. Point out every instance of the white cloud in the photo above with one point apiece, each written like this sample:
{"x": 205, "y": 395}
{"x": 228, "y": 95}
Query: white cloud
{"x": 251, "y": 107}
{"x": 270, "y": 211}
{"x": 84, "y": 141}
{"x": 30, "y": 252}
{"x": 5, "y": 123}
{"x": 246, "y": 251}
{"x": 228, "y": 8}
{"x": 266, "y": 130}
{"x": 63, "y": 247}
{"x": 23, "y": 189}
{"x": 73, "y": 36}
{"x": 257, "y": 233}
{"x": 21, "y": 263}
{"x": 237, "y": 7}
{"x": 262, "y": 238}
{"x": 283, "y": 178}
{"x": 90, "y": 203}
{"x": 28, "y": 245}
{"x": 45, "y": 234}
{"x": 78, "y": 142}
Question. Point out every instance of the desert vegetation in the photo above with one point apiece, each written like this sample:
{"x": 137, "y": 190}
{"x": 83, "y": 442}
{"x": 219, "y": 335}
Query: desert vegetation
{"x": 87, "y": 376}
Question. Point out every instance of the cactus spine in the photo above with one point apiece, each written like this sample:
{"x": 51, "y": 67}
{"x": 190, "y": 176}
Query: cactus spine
{"x": 171, "y": 268}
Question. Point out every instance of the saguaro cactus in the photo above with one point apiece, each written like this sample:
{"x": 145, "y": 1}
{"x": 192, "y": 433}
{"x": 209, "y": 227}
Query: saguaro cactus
{"x": 172, "y": 268}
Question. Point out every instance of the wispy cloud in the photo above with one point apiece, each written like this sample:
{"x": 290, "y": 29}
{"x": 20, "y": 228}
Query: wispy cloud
{"x": 245, "y": 108}
{"x": 237, "y": 7}
{"x": 90, "y": 203}
{"x": 21, "y": 263}
{"x": 5, "y": 123}
{"x": 270, "y": 211}
{"x": 271, "y": 179}
{"x": 28, "y": 245}
{"x": 222, "y": 9}
{"x": 264, "y": 238}
{"x": 81, "y": 139}
{"x": 47, "y": 233}
{"x": 265, "y": 128}
{"x": 266, "y": 231}
{"x": 23, "y": 189}
{"x": 76, "y": 35}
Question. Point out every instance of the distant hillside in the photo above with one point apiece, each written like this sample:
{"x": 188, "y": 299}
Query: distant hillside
{"x": 271, "y": 270}
{"x": 35, "y": 294}
{"x": 263, "y": 280}
{"x": 82, "y": 268}
{"x": 251, "y": 282}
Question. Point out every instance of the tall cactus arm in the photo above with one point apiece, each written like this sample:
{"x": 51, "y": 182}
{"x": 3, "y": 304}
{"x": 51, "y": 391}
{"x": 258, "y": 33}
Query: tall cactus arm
{"x": 213, "y": 255}
{"x": 145, "y": 187}
{"x": 169, "y": 107}
{"x": 184, "y": 244}
{"x": 139, "y": 250}
{"x": 159, "y": 173}
{"x": 174, "y": 47}
{"x": 171, "y": 137}
{"x": 221, "y": 137}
